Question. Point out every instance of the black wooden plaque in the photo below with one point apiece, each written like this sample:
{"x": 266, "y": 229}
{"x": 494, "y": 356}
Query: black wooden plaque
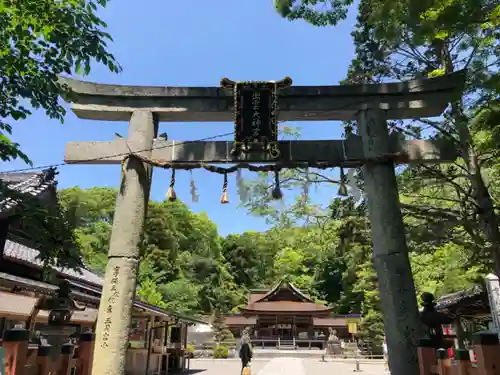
{"x": 256, "y": 117}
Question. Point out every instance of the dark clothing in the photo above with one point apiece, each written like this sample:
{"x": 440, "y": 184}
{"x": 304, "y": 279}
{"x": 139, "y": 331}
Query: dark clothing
{"x": 245, "y": 354}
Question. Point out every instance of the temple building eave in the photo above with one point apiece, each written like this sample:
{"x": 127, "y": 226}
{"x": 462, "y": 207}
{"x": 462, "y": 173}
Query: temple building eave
{"x": 252, "y": 312}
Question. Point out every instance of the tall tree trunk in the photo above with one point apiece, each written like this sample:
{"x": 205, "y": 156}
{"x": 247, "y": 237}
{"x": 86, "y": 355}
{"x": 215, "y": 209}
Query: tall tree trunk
{"x": 486, "y": 212}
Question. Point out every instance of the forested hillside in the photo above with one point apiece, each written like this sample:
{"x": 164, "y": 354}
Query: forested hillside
{"x": 187, "y": 266}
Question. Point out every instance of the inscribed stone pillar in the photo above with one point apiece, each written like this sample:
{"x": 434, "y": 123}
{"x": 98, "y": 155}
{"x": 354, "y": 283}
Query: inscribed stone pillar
{"x": 493, "y": 288}
{"x": 397, "y": 290}
{"x": 113, "y": 323}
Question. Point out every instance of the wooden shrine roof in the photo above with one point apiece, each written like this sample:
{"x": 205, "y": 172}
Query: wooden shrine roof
{"x": 330, "y": 322}
{"x": 238, "y": 320}
{"x": 282, "y": 297}
{"x": 284, "y": 285}
{"x": 285, "y": 306}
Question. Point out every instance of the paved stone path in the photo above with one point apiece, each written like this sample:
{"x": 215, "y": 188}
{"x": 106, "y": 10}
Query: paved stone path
{"x": 283, "y": 366}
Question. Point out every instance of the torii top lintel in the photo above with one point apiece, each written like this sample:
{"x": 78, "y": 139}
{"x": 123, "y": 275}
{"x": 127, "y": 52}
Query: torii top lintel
{"x": 409, "y": 99}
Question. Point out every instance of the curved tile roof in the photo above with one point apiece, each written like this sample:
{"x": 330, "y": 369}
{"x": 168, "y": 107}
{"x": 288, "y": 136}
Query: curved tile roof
{"x": 22, "y": 253}
{"x": 285, "y": 306}
{"x": 25, "y": 185}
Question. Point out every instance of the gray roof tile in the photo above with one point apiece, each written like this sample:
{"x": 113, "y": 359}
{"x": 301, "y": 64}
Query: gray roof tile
{"x": 32, "y": 184}
{"x": 20, "y": 252}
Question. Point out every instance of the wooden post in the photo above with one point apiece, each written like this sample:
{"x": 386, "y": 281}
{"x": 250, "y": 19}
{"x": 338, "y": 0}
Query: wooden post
{"x": 397, "y": 290}
{"x": 488, "y": 353}
{"x": 44, "y": 362}
{"x": 464, "y": 366}
{"x": 443, "y": 362}
{"x": 426, "y": 356}
{"x": 115, "y": 308}
{"x": 85, "y": 352}
{"x": 67, "y": 351}
{"x": 15, "y": 342}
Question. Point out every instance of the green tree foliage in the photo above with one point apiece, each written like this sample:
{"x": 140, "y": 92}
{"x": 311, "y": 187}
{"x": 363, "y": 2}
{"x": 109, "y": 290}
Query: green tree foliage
{"x": 182, "y": 266}
{"x": 249, "y": 257}
{"x": 450, "y": 211}
{"x": 417, "y": 39}
{"x": 316, "y": 12}
{"x": 187, "y": 267}
{"x": 222, "y": 335}
{"x": 40, "y": 40}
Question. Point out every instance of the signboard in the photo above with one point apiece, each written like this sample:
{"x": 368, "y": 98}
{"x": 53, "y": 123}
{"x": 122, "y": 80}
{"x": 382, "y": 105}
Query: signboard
{"x": 2, "y": 361}
{"x": 352, "y": 328}
{"x": 256, "y": 115}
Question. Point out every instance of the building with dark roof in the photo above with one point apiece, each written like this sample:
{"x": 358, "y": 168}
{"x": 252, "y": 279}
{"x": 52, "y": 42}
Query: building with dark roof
{"x": 469, "y": 303}
{"x": 284, "y": 315}
{"x": 158, "y": 337}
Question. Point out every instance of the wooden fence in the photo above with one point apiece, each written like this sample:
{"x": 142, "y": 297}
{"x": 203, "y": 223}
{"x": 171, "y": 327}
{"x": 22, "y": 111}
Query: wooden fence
{"x": 21, "y": 358}
{"x": 438, "y": 362}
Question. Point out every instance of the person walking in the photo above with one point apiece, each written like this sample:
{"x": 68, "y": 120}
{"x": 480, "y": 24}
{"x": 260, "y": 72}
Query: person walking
{"x": 245, "y": 353}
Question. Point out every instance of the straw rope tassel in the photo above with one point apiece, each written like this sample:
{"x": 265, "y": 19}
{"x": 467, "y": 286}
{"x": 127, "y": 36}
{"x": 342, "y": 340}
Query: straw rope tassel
{"x": 241, "y": 186}
{"x": 276, "y": 192}
{"x": 305, "y": 186}
{"x": 171, "y": 196}
{"x": 194, "y": 191}
{"x": 224, "y": 198}
{"x": 124, "y": 165}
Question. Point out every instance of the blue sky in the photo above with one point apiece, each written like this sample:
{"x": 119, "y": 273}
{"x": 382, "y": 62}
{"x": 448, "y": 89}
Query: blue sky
{"x": 196, "y": 43}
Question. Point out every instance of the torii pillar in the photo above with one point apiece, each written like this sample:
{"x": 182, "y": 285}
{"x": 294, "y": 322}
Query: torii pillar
{"x": 370, "y": 105}
{"x": 392, "y": 264}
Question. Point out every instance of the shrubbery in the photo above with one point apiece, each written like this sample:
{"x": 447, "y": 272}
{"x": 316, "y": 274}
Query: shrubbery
{"x": 190, "y": 349}
{"x": 221, "y": 351}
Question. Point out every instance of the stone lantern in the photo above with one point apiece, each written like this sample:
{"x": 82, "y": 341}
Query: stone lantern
{"x": 60, "y": 308}
{"x": 433, "y": 321}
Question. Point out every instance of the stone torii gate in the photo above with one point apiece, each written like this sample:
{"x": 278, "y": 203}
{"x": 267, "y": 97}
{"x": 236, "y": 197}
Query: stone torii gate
{"x": 370, "y": 105}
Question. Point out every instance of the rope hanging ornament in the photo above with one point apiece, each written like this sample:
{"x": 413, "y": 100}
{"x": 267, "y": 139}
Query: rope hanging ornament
{"x": 240, "y": 184}
{"x": 305, "y": 186}
{"x": 193, "y": 189}
{"x": 224, "y": 199}
{"x": 187, "y": 166}
{"x": 276, "y": 192}
{"x": 342, "y": 187}
{"x": 124, "y": 165}
{"x": 171, "y": 196}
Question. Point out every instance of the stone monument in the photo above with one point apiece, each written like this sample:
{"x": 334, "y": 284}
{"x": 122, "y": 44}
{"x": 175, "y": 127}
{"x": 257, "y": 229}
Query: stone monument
{"x": 333, "y": 346}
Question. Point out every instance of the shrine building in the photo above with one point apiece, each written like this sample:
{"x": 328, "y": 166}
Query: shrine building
{"x": 285, "y": 316}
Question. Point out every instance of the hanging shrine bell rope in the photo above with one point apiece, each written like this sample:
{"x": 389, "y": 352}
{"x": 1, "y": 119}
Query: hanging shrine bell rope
{"x": 386, "y": 158}
{"x": 276, "y": 168}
